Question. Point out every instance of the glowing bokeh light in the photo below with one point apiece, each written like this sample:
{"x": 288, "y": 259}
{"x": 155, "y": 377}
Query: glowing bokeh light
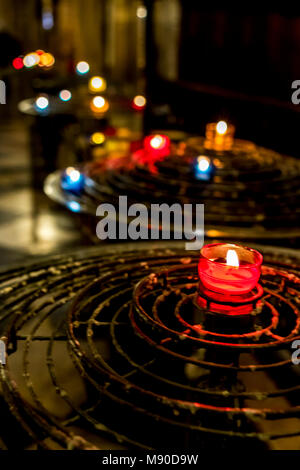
{"x": 221, "y": 127}
{"x": 139, "y": 102}
{"x": 72, "y": 180}
{"x": 47, "y": 20}
{"x": 203, "y": 163}
{"x": 42, "y": 102}
{"x": 157, "y": 142}
{"x": 157, "y": 146}
{"x": 141, "y": 12}
{"x": 65, "y": 95}
{"x": 97, "y": 138}
{"x": 97, "y": 84}
{"x": 82, "y": 67}
{"x": 73, "y": 174}
{"x": 30, "y": 60}
{"x": 46, "y": 60}
{"x": 74, "y": 206}
{"x": 99, "y": 104}
{"x": 17, "y": 63}
{"x": 203, "y": 168}
{"x": 99, "y": 101}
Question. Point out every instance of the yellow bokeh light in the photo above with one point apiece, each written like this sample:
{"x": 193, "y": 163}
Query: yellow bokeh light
{"x": 139, "y": 101}
{"x": 99, "y": 104}
{"x": 97, "y": 138}
{"x": 97, "y": 84}
{"x": 41, "y": 58}
{"x": 46, "y": 60}
{"x": 141, "y": 12}
{"x": 221, "y": 127}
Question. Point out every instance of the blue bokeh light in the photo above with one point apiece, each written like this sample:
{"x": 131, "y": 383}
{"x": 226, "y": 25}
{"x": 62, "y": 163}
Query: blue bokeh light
{"x": 203, "y": 168}
{"x": 72, "y": 180}
{"x": 47, "y": 20}
{"x": 74, "y": 206}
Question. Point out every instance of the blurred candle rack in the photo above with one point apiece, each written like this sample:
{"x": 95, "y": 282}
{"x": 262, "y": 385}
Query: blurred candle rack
{"x": 219, "y": 136}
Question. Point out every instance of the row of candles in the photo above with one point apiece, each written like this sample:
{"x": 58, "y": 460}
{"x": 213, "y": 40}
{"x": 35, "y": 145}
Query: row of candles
{"x": 98, "y": 104}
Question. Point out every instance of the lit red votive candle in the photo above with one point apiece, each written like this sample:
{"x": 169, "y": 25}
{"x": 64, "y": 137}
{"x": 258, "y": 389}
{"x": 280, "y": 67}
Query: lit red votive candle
{"x": 157, "y": 144}
{"x": 229, "y": 269}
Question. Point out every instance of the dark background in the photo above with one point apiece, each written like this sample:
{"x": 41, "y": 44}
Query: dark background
{"x": 231, "y": 63}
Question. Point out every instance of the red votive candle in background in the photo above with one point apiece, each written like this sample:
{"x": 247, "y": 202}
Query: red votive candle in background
{"x": 157, "y": 145}
{"x": 229, "y": 269}
{"x": 156, "y": 148}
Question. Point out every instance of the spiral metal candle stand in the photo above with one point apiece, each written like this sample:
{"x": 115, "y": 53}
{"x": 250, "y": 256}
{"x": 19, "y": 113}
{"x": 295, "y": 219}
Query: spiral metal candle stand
{"x": 248, "y": 191}
{"x": 115, "y": 348}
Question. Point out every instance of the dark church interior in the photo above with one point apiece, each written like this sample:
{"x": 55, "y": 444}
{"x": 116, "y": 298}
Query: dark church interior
{"x": 149, "y": 226}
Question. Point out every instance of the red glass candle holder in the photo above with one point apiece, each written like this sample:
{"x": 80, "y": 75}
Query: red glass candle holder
{"x": 227, "y": 304}
{"x": 217, "y": 275}
{"x": 229, "y": 277}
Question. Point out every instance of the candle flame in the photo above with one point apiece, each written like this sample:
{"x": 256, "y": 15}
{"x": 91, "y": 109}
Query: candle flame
{"x": 221, "y": 127}
{"x": 232, "y": 258}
